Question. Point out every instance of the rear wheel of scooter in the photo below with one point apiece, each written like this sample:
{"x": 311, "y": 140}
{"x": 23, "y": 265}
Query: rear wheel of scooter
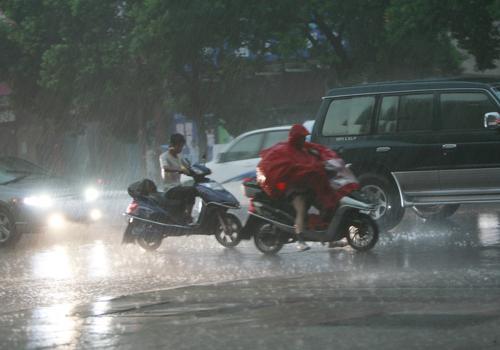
{"x": 361, "y": 232}
{"x": 147, "y": 238}
{"x": 267, "y": 239}
{"x": 128, "y": 236}
{"x": 230, "y": 238}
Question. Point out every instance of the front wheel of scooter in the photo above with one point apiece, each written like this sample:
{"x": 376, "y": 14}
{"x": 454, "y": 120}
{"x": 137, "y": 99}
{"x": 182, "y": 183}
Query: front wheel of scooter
{"x": 230, "y": 237}
{"x": 361, "y": 232}
{"x": 267, "y": 239}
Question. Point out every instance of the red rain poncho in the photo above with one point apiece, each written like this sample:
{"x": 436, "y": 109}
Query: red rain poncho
{"x": 288, "y": 164}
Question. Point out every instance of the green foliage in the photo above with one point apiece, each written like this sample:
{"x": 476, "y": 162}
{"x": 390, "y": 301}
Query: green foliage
{"x": 121, "y": 60}
{"x": 432, "y": 24}
{"x": 494, "y": 9}
{"x": 477, "y": 31}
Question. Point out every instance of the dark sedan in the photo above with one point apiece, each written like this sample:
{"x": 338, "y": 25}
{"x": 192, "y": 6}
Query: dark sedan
{"x": 32, "y": 200}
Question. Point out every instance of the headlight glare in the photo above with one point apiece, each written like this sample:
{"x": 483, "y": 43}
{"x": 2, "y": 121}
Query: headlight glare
{"x": 91, "y": 194}
{"x": 95, "y": 214}
{"x": 56, "y": 221}
{"x": 42, "y": 201}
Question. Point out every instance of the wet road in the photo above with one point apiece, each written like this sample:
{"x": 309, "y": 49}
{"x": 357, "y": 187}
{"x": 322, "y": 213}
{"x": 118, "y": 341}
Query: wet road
{"x": 87, "y": 265}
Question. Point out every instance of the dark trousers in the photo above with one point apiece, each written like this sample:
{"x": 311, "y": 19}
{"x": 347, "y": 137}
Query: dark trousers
{"x": 183, "y": 193}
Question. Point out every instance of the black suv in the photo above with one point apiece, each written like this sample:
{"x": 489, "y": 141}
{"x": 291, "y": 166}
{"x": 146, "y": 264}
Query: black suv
{"x": 429, "y": 145}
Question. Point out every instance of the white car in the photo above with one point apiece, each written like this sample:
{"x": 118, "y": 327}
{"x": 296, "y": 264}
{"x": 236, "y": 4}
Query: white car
{"x": 242, "y": 154}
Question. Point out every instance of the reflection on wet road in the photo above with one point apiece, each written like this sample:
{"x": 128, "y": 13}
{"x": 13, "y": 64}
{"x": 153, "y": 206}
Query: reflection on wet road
{"x": 47, "y": 277}
{"x": 83, "y": 265}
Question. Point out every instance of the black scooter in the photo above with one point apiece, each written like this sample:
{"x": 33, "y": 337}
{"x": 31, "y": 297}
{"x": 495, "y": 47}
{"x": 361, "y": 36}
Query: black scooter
{"x": 271, "y": 222}
{"x": 153, "y": 216}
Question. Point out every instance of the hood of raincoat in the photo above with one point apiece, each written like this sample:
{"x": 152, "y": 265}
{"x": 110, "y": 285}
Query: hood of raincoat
{"x": 298, "y": 164}
{"x": 297, "y": 135}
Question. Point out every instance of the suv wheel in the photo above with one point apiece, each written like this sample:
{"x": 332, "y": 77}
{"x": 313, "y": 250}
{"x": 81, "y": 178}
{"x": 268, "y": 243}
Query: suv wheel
{"x": 379, "y": 190}
{"x": 435, "y": 212}
{"x": 8, "y": 234}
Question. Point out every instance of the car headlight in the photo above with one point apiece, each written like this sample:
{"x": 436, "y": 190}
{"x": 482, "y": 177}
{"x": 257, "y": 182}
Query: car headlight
{"x": 91, "y": 194}
{"x": 42, "y": 201}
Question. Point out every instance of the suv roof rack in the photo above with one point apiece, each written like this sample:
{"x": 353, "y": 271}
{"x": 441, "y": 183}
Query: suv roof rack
{"x": 374, "y": 87}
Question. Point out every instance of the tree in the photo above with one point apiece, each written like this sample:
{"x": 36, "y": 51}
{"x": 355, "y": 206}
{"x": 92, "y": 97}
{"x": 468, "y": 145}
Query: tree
{"x": 26, "y": 32}
{"x": 122, "y": 61}
{"x": 426, "y": 29}
{"x": 366, "y": 40}
{"x": 72, "y": 57}
{"x": 187, "y": 45}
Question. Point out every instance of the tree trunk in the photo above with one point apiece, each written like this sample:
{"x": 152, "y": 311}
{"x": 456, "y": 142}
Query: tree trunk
{"x": 202, "y": 137}
{"x": 141, "y": 141}
{"x": 199, "y": 111}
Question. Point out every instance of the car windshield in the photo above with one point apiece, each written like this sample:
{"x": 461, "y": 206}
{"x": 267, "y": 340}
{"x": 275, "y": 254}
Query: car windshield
{"x": 6, "y": 177}
{"x": 13, "y": 165}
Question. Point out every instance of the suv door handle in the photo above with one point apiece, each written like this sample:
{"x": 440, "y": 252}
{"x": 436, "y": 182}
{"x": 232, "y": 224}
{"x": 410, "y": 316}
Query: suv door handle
{"x": 449, "y": 146}
{"x": 383, "y": 149}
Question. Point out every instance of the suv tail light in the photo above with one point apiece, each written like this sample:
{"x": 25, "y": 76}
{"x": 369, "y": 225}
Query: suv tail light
{"x": 132, "y": 207}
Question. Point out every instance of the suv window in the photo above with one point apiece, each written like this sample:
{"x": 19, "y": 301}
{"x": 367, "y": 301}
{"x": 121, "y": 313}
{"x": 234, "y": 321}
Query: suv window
{"x": 349, "y": 116}
{"x": 464, "y": 110}
{"x": 246, "y": 148}
{"x": 388, "y": 118}
{"x": 406, "y": 113}
{"x": 274, "y": 137}
{"x": 415, "y": 112}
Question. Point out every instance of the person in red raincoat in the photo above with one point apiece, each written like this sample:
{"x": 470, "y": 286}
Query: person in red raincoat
{"x": 294, "y": 169}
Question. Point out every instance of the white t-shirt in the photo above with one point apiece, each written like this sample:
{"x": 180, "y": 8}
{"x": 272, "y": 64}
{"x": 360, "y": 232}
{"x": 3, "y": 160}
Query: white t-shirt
{"x": 170, "y": 179}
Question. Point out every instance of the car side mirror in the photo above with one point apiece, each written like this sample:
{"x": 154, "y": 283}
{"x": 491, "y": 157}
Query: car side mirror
{"x": 492, "y": 120}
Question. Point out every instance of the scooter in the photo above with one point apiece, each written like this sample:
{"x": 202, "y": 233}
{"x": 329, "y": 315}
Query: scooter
{"x": 152, "y": 216}
{"x": 271, "y": 222}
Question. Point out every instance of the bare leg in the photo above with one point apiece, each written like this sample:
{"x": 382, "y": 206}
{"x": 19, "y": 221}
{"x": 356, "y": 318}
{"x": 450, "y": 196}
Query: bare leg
{"x": 299, "y": 204}
{"x": 190, "y": 196}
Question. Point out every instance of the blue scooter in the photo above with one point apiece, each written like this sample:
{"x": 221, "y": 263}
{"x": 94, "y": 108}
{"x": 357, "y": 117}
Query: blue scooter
{"x": 153, "y": 216}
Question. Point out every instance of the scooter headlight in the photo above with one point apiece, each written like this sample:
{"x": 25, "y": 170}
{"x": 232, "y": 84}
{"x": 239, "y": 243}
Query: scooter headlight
{"x": 213, "y": 186}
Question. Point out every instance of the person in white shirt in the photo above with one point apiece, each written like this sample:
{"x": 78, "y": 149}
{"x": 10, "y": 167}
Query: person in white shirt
{"x": 171, "y": 170}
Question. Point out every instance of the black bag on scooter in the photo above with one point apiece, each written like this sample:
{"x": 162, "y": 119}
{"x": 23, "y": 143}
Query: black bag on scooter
{"x": 142, "y": 188}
